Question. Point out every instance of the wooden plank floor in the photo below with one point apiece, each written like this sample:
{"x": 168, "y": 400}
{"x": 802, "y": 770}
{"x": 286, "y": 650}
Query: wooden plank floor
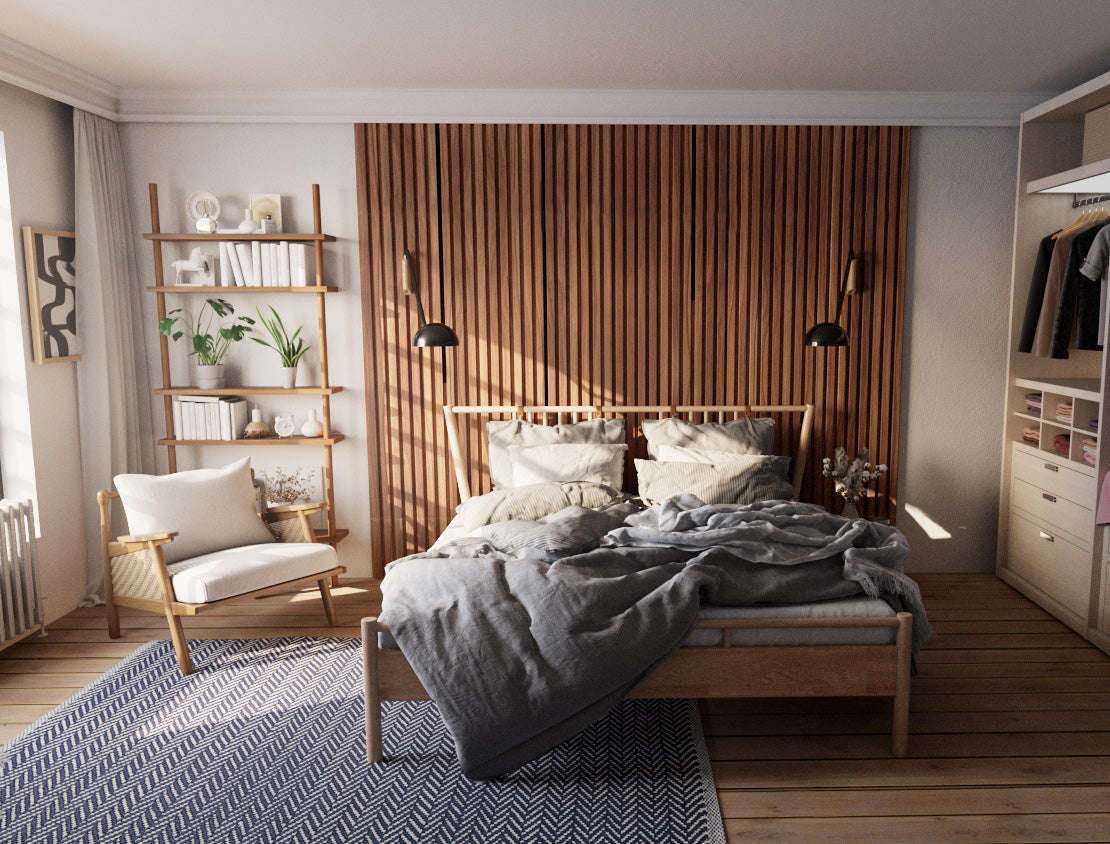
{"x": 1009, "y": 728}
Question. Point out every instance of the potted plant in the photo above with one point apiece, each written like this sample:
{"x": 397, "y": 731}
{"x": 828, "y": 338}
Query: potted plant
{"x": 211, "y": 335}
{"x": 290, "y": 347}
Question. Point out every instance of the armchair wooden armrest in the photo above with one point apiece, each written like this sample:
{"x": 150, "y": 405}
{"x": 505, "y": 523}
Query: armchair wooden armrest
{"x": 280, "y": 521}
{"x": 288, "y": 510}
{"x": 130, "y": 544}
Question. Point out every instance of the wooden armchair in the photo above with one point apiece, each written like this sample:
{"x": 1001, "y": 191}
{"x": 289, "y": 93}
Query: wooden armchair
{"x": 143, "y": 572}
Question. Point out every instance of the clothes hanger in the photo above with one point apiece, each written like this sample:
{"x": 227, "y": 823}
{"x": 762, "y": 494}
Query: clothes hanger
{"x": 1083, "y": 219}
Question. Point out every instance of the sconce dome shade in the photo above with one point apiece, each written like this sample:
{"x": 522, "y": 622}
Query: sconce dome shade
{"x": 826, "y": 334}
{"x": 435, "y": 334}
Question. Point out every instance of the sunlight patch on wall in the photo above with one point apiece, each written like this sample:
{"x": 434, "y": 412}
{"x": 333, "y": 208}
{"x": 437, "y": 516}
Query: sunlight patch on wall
{"x": 931, "y": 528}
{"x": 16, "y": 457}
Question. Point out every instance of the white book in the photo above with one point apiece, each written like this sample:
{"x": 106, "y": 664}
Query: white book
{"x": 256, "y": 262}
{"x": 246, "y": 270}
{"x": 211, "y": 420}
{"x": 236, "y": 278}
{"x": 233, "y": 417}
{"x": 226, "y": 278}
{"x": 225, "y": 420}
{"x": 268, "y": 263}
{"x": 177, "y": 432}
{"x": 298, "y": 270}
{"x": 284, "y": 279}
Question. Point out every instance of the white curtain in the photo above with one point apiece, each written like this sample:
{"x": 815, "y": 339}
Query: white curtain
{"x": 113, "y": 387}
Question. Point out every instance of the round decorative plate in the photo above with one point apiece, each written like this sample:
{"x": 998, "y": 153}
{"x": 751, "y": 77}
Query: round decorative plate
{"x": 195, "y": 205}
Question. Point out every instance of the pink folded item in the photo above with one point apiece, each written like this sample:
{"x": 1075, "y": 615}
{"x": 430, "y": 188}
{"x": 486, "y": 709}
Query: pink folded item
{"x": 1090, "y": 457}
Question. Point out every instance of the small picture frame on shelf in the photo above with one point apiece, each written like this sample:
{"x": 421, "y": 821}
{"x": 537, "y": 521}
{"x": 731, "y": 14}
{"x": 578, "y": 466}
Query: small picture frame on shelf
{"x": 265, "y": 205}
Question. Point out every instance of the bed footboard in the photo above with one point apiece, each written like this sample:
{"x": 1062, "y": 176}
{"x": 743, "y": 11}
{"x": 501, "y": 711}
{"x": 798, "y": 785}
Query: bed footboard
{"x": 722, "y": 671}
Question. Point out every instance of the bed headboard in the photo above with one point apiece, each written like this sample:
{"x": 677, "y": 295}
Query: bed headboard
{"x": 633, "y": 414}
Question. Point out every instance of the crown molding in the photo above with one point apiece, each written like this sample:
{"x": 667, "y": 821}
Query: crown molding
{"x": 33, "y": 70}
{"x": 36, "y": 71}
{"x": 485, "y": 105}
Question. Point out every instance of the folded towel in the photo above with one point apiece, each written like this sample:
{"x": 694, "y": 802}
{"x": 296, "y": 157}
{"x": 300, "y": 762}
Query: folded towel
{"x": 1090, "y": 457}
{"x": 1062, "y": 444}
{"x": 1092, "y": 424}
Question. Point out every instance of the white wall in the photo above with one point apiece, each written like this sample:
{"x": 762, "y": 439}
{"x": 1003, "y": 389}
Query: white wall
{"x": 961, "y": 220}
{"x": 44, "y": 462}
{"x": 233, "y": 161}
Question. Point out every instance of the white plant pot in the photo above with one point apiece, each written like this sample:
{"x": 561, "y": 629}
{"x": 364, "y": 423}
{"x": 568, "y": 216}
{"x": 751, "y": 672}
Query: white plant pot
{"x": 210, "y": 377}
{"x": 289, "y": 377}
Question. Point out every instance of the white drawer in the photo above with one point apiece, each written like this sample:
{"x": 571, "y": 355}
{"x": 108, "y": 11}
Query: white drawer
{"x": 1055, "y": 476}
{"x": 1054, "y": 513}
{"x": 1056, "y": 566}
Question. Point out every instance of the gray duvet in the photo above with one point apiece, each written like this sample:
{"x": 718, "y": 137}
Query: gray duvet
{"x": 523, "y": 637}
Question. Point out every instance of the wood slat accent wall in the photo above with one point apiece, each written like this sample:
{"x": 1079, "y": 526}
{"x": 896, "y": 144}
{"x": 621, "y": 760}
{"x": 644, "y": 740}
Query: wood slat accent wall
{"x": 624, "y": 265}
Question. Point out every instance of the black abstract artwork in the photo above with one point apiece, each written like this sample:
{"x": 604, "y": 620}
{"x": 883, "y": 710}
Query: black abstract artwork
{"x": 52, "y": 293}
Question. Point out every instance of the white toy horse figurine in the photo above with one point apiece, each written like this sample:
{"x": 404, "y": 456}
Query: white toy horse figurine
{"x": 196, "y": 263}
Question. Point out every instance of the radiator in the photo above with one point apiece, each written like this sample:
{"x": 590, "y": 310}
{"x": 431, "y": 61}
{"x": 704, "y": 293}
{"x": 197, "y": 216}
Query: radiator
{"x": 20, "y": 602}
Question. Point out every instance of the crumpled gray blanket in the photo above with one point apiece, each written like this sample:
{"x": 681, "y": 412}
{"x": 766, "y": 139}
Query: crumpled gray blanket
{"x": 521, "y": 653}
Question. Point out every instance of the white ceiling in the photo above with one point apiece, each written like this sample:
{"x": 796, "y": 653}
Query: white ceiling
{"x": 142, "y": 51}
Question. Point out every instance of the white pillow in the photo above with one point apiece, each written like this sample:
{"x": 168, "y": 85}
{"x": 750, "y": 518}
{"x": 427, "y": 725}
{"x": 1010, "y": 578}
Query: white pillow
{"x": 211, "y": 509}
{"x": 747, "y": 435}
{"x": 532, "y": 502}
{"x": 565, "y": 462}
{"x": 506, "y": 432}
{"x": 740, "y": 481}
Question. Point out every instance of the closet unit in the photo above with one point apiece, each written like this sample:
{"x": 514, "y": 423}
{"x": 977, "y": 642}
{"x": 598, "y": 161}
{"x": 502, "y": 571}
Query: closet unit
{"x": 1054, "y": 456}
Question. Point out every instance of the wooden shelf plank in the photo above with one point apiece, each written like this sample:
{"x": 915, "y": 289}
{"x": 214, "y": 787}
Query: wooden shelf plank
{"x": 196, "y": 288}
{"x": 186, "y": 237}
{"x": 249, "y": 391}
{"x": 332, "y": 440}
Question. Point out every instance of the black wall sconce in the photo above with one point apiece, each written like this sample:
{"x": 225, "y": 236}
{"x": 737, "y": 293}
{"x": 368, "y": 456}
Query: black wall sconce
{"x": 429, "y": 333}
{"x": 830, "y": 333}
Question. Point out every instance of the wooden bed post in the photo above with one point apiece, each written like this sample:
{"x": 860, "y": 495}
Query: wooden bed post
{"x": 371, "y": 702}
{"x": 904, "y": 642}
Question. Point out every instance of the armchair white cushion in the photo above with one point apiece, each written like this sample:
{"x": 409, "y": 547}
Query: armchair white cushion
{"x": 236, "y": 571}
{"x": 211, "y": 509}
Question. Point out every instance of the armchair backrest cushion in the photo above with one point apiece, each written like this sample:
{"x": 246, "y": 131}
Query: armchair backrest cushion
{"x": 211, "y": 509}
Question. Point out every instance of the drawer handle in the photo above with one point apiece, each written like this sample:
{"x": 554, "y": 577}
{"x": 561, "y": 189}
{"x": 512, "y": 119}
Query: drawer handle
{"x": 1048, "y": 497}
{"x": 1052, "y": 467}
{"x": 1047, "y": 536}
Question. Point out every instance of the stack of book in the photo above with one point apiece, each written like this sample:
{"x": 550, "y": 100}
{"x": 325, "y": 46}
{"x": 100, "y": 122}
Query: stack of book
{"x": 209, "y": 417}
{"x": 276, "y": 263}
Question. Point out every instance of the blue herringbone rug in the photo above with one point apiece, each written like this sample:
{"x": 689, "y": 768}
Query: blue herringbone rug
{"x": 265, "y": 744}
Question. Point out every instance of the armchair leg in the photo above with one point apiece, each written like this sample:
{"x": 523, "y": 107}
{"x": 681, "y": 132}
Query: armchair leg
{"x": 180, "y": 646}
{"x": 113, "y": 616}
{"x": 329, "y": 604}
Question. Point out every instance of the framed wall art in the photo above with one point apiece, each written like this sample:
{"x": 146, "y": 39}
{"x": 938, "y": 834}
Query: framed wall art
{"x": 51, "y": 294}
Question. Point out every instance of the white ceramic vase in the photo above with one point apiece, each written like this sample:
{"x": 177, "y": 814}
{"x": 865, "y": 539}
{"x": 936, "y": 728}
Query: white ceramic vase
{"x": 289, "y": 377}
{"x": 210, "y": 377}
{"x": 313, "y": 427}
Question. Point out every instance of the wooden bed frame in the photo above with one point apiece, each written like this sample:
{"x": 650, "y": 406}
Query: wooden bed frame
{"x": 694, "y": 672}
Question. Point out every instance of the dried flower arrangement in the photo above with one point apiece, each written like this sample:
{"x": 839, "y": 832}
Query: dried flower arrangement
{"x": 287, "y": 486}
{"x": 850, "y": 479}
